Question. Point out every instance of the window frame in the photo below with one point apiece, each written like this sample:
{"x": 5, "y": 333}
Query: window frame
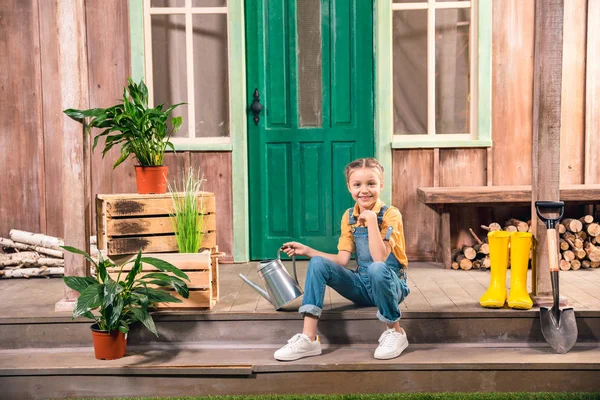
{"x": 480, "y": 124}
{"x": 141, "y": 44}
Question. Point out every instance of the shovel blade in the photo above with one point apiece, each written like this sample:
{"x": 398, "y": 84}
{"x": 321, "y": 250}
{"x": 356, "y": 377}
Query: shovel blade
{"x": 559, "y": 328}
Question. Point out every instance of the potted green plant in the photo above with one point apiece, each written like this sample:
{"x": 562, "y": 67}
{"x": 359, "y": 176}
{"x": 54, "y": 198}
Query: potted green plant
{"x": 187, "y": 217}
{"x": 122, "y": 298}
{"x": 139, "y": 129}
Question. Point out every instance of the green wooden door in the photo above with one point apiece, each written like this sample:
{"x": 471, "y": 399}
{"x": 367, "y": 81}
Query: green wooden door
{"x": 312, "y": 64}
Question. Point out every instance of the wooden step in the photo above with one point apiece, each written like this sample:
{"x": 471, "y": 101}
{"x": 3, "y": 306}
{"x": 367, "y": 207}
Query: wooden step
{"x": 345, "y": 327}
{"x": 192, "y": 370}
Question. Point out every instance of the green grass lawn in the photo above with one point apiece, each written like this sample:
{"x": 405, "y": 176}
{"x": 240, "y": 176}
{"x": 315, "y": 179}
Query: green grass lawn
{"x": 400, "y": 396}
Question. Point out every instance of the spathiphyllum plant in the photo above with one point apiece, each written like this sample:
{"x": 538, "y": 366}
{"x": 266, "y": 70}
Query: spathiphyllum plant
{"x": 138, "y": 129}
{"x": 128, "y": 298}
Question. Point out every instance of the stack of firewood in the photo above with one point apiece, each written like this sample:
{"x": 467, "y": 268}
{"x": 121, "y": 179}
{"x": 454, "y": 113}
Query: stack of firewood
{"x": 28, "y": 254}
{"x": 476, "y": 256}
{"x": 579, "y": 244}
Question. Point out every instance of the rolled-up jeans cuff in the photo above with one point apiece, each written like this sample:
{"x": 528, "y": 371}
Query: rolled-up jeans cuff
{"x": 387, "y": 321}
{"x": 310, "y": 309}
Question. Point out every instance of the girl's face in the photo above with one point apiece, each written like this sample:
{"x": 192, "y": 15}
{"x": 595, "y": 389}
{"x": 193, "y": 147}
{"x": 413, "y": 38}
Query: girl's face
{"x": 365, "y": 186}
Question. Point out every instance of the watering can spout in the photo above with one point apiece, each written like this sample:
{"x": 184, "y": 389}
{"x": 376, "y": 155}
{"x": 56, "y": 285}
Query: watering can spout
{"x": 256, "y": 287}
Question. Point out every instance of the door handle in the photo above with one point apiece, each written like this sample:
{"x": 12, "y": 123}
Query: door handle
{"x": 256, "y": 107}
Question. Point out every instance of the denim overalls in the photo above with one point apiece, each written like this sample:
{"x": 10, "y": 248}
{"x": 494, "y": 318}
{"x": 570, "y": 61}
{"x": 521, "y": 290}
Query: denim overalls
{"x": 380, "y": 284}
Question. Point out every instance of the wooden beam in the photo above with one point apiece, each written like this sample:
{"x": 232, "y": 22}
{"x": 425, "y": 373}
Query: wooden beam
{"x": 501, "y": 194}
{"x": 547, "y": 84}
{"x": 73, "y": 78}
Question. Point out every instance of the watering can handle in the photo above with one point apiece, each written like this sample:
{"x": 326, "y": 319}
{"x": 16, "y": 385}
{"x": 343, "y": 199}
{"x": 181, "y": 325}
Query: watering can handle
{"x": 293, "y": 264}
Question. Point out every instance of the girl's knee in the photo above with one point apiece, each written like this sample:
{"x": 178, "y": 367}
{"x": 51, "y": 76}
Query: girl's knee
{"x": 317, "y": 265}
{"x": 378, "y": 271}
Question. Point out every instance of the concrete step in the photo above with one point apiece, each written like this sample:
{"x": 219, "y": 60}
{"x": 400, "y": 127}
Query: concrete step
{"x": 342, "y": 327}
{"x": 186, "y": 369}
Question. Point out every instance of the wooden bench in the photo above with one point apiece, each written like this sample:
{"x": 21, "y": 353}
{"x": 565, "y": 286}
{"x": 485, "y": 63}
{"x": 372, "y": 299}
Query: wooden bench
{"x": 439, "y": 198}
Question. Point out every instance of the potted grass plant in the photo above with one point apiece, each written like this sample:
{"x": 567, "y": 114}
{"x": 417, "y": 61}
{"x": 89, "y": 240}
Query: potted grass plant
{"x": 121, "y": 295}
{"x": 187, "y": 217}
{"x": 139, "y": 129}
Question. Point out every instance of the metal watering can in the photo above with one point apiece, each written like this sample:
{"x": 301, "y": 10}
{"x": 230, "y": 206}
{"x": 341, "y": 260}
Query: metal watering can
{"x": 281, "y": 287}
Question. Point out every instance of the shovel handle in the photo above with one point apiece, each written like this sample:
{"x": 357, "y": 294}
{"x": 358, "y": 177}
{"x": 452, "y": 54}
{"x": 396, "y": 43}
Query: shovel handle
{"x": 552, "y": 249}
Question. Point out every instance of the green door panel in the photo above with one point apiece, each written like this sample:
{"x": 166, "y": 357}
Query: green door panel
{"x": 312, "y": 63}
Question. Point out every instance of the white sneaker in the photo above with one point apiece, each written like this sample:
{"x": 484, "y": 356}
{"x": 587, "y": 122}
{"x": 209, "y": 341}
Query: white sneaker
{"x": 391, "y": 344}
{"x": 297, "y": 347}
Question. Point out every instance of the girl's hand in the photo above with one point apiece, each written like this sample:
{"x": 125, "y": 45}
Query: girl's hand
{"x": 367, "y": 217}
{"x": 295, "y": 248}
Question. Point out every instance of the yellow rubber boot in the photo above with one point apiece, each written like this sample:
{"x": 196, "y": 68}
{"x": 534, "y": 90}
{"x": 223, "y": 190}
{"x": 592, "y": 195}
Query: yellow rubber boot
{"x": 495, "y": 295}
{"x": 520, "y": 244}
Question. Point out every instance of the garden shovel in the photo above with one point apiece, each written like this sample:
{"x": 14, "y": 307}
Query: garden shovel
{"x": 558, "y": 326}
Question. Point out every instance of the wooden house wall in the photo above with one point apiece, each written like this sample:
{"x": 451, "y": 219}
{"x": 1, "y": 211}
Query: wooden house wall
{"x": 509, "y": 161}
{"x": 31, "y": 141}
{"x": 31, "y": 157}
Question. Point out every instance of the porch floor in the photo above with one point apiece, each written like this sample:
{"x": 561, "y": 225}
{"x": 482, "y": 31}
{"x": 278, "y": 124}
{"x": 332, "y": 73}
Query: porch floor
{"x": 433, "y": 289}
{"x": 455, "y": 345}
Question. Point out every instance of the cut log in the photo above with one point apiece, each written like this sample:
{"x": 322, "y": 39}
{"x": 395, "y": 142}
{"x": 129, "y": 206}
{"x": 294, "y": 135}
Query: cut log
{"x": 465, "y": 264}
{"x": 575, "y": 265}
{"x": 494, "y": 226}
{"x": 469, "y": 252}
{"x": 454, "y": 265}
{"x": 595, "y": 264}
{"x": 31, "y": 272}
{"x": 568, "y": 255}
{"x": 593, "y": 252}
{"x": 17, "y": 258}
{"x": 484, "y": 248}
{"x": 510, "y": 228}
{"x": 586, "y": 219}
{"x": 580, "y": 254}
{"x": 561, "y": 228}
{"x": 475, "y": 236}
{"x": 520, "y": 225}
{"x": 564, "y": 265}
{"x": 476, "y": 264}
{"x": 23, "y": 246}
{"x": 36, "y": 239}
{"x": 564, "y": 245}
{"x": 582, "y": 235}
{"x": 586, "y": 264}
{"x": 593, "y": 229}
{"x": 485, "y": 263}
{"x": 573, "y": 225}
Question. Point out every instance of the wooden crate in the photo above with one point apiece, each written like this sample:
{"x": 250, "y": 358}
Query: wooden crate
{"x": 128, "y": 223}
{"x": 202, "y": 269}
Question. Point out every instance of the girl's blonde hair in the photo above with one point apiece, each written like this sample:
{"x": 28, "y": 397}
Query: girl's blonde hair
{"x": 364, "y": 163}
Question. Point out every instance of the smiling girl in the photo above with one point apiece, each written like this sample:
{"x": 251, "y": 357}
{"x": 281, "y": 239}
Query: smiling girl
{"x": 374, "y": 232}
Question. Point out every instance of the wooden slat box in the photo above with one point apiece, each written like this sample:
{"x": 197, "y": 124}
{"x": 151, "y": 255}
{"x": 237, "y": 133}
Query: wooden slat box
{"x": 127, "y": 223}
{"x": 202, "y": 269}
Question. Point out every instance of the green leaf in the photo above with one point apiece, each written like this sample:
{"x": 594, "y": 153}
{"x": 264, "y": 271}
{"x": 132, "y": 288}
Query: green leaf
{"x": 83, "y": 253}
{"x": 157, "y": 295}
{"x": 114, "y": 313}
{"x": 79, "y": 283}
{"x": 111, "y": 291}
{"x": 169, "y": 280}
{"x": 165, "y": 267}
{"x": 137, "y": 267}
{"x": 145, "y": 318}
{"x": 89, "y": 299}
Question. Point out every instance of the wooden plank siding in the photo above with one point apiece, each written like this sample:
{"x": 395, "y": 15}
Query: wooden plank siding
{"x": 21, "y": 131}
{"x": 31, "y": 196}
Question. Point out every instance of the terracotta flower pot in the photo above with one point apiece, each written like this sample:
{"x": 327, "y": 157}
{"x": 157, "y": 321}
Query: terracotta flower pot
{"x": 108, "y": 345}
{"x": 151, "y": 179}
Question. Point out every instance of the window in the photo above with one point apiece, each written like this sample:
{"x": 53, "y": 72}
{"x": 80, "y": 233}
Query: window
{"x": 187, "y": 60}
{"x": 441, "y": 76}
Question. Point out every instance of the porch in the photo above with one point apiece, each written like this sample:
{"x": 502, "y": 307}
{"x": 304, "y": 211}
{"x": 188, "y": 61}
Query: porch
{"x": 455, "y": 345}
